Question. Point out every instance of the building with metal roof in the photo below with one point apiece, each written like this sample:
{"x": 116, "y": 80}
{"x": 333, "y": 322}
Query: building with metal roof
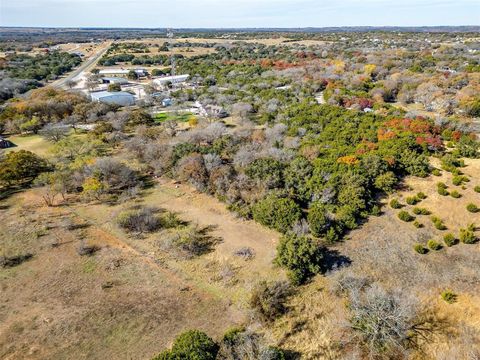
{"x": 176, "y": 79}
{"x": 121, "y": 98}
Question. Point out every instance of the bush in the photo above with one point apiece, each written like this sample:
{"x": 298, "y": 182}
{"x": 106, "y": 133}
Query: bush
{"x": 417, "y": 224}
{"x": 420, "y": 211}
{"x": 438, "y": 223}
{"x": 421, "y": 195}
{"x": 449, "y": 296}
{"x": 277, "y": 213}
{"x": 193, "y": 345}
{"x": 459, "y": 180}
{"x": 140, "y": 220}
{"x": 318, "y": 219}
{"x": 441, "y": 185}
{"x": 436, "y": 172}
{"x": 434, "y": 245}
{"x": 386, "y": 182}
{"x": 268, "y": 300}
{"x": 238, "y": 343}
{"x": 11, "y": 261}
{"x": 190, "y": 241}
{"x": 455, "y": 194}
{"x": 383, "y": 320}
{"x": 301, "y": 256}
{"x": 419, "y": 248}
{"x": 472, "y": 208}
{"x": 442, "y": 192}
{"x": 395, "y": 204}
{"x": 467, "y": 236}
{"x": 405, "y": 216}
{"x": 477, "y": 188}
{"x": 412, "y": 200}
{"x": 449, "y": 239}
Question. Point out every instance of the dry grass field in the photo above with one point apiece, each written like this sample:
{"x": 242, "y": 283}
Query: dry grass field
{"x": 131, "y": 298}
{"x": 119, "y": 302}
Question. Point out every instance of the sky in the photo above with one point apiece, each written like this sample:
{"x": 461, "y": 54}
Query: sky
{"x": 237, "y": 13}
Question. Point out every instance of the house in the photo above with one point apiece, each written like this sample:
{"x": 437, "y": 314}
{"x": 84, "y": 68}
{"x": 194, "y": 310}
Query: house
{"x": 121, "y": 98}
{"x": 165, "y": 80}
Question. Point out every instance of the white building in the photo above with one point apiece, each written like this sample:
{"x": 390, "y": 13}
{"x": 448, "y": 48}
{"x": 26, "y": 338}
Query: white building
{"x": 114, "y": 80}
{"x": 122, "y": 72}
{"x": 176, "y": 79}
{"x": 121, "y": 98}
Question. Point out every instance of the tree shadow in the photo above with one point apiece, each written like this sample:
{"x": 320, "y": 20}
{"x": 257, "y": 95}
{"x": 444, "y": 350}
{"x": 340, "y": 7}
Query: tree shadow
{"x": 333, "y": 260}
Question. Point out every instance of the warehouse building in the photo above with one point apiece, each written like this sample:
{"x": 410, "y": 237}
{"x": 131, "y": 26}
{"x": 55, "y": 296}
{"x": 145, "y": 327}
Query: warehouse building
{"x": 121, "y": 98}
{"x": 165, "y": 80}
{"x": 122, "y": 72}
{"x": 114, "y": 80}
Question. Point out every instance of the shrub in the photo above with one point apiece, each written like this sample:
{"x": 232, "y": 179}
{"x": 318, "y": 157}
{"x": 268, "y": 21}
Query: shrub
{"x": 459, "y": 180}
{"x": 434, "y": 245}
{"x": 417, "y": 224}
{"x": 239, "y": 343}
{"x": 421, "y": 195}
{"x": 268, "y": 300}
{"x": 383, "y": 320}
{"x": 438, "y": 223}
{"x": 395, "y": 204}
{"x": 455, "y": 194}
{"x": 140, "y": 220}
{"x": 477, "y": 188}
{"x": 442, "y": 191}
{"x": 419, "y": 248}
{"x": 412, "y": 200}
{"x": 276, "y": 212}
{"x": 405, "y": 216}
{"x": 449, "y": 239}
{"x": 193, "y": 344}
{"x": 441, "y": 185}
{"x": 190, "y": 241}
{"x": 420, "y": 211}
{"x": 436, "y": 172}
{"x": 11, "y": 261}
{"x": 301, "y": 256}
{"x": 467, "y": 236}
{"x": 386, "y": 182}
{"x": 318, "y": 219}
{"x": 472, "y": 208}
{"x": 449, "y": 296}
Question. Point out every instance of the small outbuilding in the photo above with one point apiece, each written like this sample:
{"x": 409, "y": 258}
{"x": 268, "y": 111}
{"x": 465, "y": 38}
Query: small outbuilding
{"x": 121, "y": 98}
{"x": 114, "y": 80}
{"x": 4, "y": 143}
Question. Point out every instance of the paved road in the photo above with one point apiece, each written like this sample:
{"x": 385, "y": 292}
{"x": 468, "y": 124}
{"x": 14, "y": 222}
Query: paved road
{"x": 85, "y": 66}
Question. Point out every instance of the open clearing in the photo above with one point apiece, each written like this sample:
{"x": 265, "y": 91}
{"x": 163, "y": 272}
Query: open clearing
{"x": 128, "y": 300}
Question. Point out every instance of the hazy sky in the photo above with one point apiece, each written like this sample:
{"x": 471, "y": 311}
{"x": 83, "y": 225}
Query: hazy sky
{"x": 237, "y": 13}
